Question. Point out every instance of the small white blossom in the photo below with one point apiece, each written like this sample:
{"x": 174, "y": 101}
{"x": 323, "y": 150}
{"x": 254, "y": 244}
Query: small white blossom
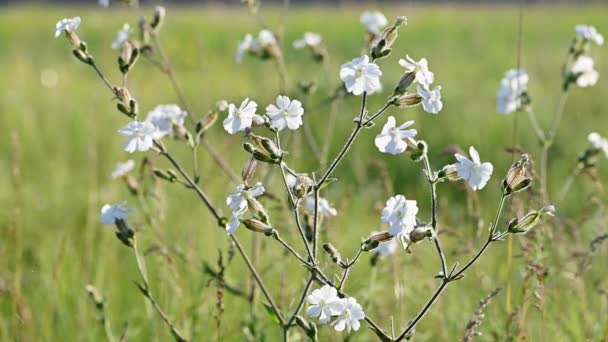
{"x": 324, "y": 303}
{"x": 123, "y": 168}
{"x": 431, "y": 99}
{"x": 234, "y": 221}
{"x": 112, "y": 212}
{"x": 325, "y": 208}
{"x": 351, "y": 314}
{"x": 400, "y": 214}
{"x": 237, "y": 201}
{"x": 513, "y": 85}
{"x": 66, "y": 24}
{"x": 391, "y": 139}
{"x": 474, "y": 172}
{"x": 286, "y": 114}
{"x": 586, "y": 75}
{"x": 588, "y": 32}
{"x": 385, "y": 248}
{"x": 309, "y": 39}
{"x": 140, "y": 136}
{"x": 598, "y": 142}
{"x": 122, "y": 36}
{"x": 240, "y": 118}
{"x": 266, "y": 38}
{"x": 420, "y": 69}
{"x": 359, "y": 75}
{"x": 374, "y": 21}
{"x": 163, "y": 117}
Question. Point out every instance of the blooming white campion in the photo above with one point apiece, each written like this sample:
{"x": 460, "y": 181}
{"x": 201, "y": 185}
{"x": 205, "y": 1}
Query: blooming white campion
{"x": 237, "y": 201}
{"x": 598, "y": 142}
{"x": 351, "y": 314}
{"x": 590, "y": 33}
{"x": 309, "y": 39}
{"x": 234, "y": 222}
{"x": 140, "y": 136}
{"x": 400, "y": 213}
{"x": 286, "y": 114}
{"x": 423, "y": 75}
{"x": 122, "y": 36}
{"x": 391, "y": 139}
{"x": 241, "y": 118}
{"x": 586, "y": 75}
{"x": 431, "y": 99}
{"x": 112, "y": 212}
{"x": 163, "y": 117}
{"x": 324, "y": 303}
{"x": 513, "y": 85}
{"x": 123, "y": 168}
{"x": 359, "y": 75}
{"x": 325, "y": 209}
{"x": 374, "y": 21}
{"x": 474, "y": 172}
{"x": 66, "y": 24}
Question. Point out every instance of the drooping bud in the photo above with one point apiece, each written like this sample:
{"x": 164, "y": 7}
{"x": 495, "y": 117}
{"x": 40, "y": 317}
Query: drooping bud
{"x": 332, "y": 252}
{"x": 383, "y": 45}
{"x": 531, "y": 219}
{"x": 158, "y": 19}
{"x": 448, "y": 172}
{"x": 406, "y": 80}
{"x": 517, "y": 178}
{"x": 374, "y": 240}
{"x": 257, "y": 226}
{"x": 249, "y": 169}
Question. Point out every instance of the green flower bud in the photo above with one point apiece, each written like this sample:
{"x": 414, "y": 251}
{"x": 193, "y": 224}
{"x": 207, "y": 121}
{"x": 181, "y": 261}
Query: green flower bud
{"x": 530, "y": 220}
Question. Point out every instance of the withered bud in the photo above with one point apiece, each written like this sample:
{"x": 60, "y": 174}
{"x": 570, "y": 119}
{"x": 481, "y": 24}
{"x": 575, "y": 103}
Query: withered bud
{"x": 383, "y": 45}
{"x": 257, "y": 226}
{"x": 374, "y": 240}
{"x": 122, "y": 94}
{"x": 406, "y": 80}
{"x": 249, "y": 169}
{"x": 449, "y": 172}
{"x": 332, "y": 252}
{"x": 517, "y": 178}
{"x": 158, "y": 19}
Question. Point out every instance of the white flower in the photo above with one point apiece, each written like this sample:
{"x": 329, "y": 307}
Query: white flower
{"x": 586, "y": 76}
{"x": 104, "y": 3}
{"x": 309, "y": 39}
{"x": 66, "y": 24}
{"x": 420, "y": 69}
{"x": 351, "y": 314}
{"x": 373, "y": 21}
{"x": 122, "y": 36}
{"x": 513, "y": 85}
{"x": 589, "y": 33}
{"x": 391, "y": 139}
{"x": 123, "y": 168}
{"x": 234, "y": 221}
{"x": 431, "y": 99}
{"x": 140, "y": 136}
{"x": 163, "y": 117}
{"x": 400, "y": 214}
{"x": 359, "y": 75}
{"x": 598, "y": 142}
{"x": 385, "y": 248}
{"x": 324, "y": 303}
{"x": 248, "y": 44}
{"x": 325, "y": 208}
{"x": 240, "y": 118}
{"x": 266, "y": 38}
{"x": 112, "y": 212}
{"x": 237, "y": 201}
{"x": 473, "y": 171}
{"x": 286, "y": 113}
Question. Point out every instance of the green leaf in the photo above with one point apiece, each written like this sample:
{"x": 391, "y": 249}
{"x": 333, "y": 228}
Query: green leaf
{"x": 272, "y": 314}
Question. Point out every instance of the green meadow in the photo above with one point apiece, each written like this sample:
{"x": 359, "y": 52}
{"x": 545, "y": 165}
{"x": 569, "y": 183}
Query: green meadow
{"x": 59, "y": 145}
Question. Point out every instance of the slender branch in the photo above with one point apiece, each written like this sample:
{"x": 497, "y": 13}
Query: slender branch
{"x": 290, "y": 249}
{"x": 557, "y": 117}
{"x": 300, "y": 302}
{"x": 347, "y": 268}
{"x": 102, "y": 76}
{"x": 315, "y": 226}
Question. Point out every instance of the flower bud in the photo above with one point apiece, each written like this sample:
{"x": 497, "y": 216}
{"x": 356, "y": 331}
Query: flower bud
{"x": 374, "y": 240}
{"x": 83, "y": 57}
{"x": 448, "y": 172}
{"x": 418, "y": 149}
{"x": 406, "y": 80}
{"x": 249, "y": 169}
{"x": 257, "y": 226}
{"x": 531, "y": 219}
{"x": 257, "y": 209}
{"x": 124, "y": 233}
{"x": 517, "y": 178}
{"x": 303, "y": 186}
{"x": 158, "y": 19}
{"x": 128, "y": 57}
{"x": 384, "y": 43}
{"x": 332, "y": 252}
{"x": 271, "y": 148}
{"x": 421, "y": 232}
{"x": 205, "y": 123}
{"x": 407, "y": 100}
{"x": 168, "y": 175}
{"x": 131, "y": 183}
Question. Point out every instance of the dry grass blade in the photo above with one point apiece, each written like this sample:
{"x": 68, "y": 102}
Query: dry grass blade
{"x": 475, "y": 322}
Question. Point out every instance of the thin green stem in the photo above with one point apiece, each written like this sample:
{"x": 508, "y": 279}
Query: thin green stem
{"x": 433, "y": 183}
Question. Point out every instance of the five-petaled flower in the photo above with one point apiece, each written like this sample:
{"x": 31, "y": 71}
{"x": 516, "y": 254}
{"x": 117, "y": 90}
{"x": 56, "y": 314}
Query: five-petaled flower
{"x": 589, "y": 33}
{"x": 241, "y": 118}
{"x": 286, "y": 114}
{"x": 509, "y": 96}
{"x": 431, "y": 99}
{"x": 163, "y": 117}
{"x": 400, "y": 213}
{"x": 324, "y": 303}
{"x": 140, "y": 136}
{"x": 351, "y": 314}
{"x": 122, "y": 36}
{"x": 112, "y": 212}
{"x": 423, "y": 75}
{"x": 392, "y": 138}
{"x": 584, "y": 72}
{"x": 309, "y": 39}
{"x": 325, "y": 209}
{"x": 359, "y": 76}
{"x": 123, "y": 168}
{"x": 374, "y": 21}
{"x": 474, "y": 172}
{"x": 66, "y": 24}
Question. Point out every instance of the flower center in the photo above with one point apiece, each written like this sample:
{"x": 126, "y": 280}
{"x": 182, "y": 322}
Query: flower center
{"x": 239, "y": 112}
{"x": 394, "y": 131}
{"x": 360, "y": 73}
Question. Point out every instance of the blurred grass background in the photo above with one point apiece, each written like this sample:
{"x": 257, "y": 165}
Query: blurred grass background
{"x": 58, "y": 146}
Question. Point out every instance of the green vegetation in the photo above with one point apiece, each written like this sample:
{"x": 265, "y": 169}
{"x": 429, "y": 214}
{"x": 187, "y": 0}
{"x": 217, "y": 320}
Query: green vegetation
{"x": 58, "y": 146}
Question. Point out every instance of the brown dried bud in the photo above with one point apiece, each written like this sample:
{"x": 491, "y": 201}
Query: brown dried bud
{"x": 374, "y": 240}
{"x": 517, "y": 178}
{"x": 249, "y": 169}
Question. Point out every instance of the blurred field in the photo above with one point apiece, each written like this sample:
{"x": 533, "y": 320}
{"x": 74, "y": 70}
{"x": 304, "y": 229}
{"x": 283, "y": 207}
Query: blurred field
{"x": 58, "y": 145}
